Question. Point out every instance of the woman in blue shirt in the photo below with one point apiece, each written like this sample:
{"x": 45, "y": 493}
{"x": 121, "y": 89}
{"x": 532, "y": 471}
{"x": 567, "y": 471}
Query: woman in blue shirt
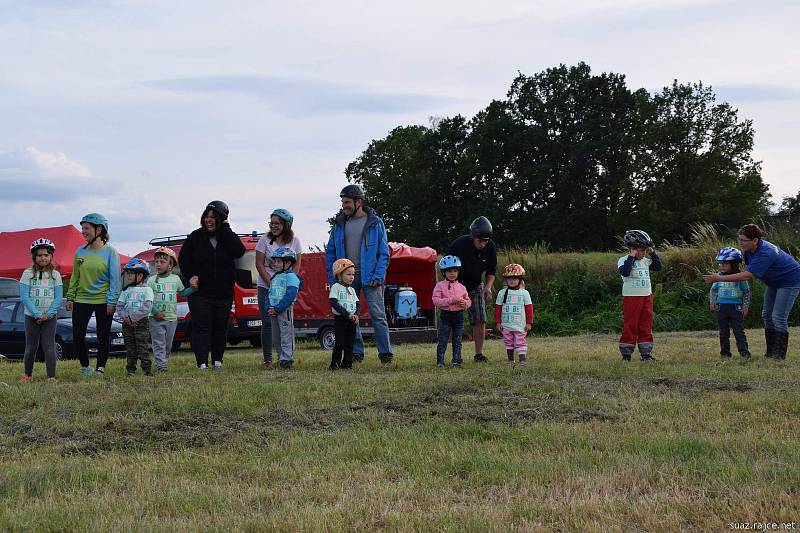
{"x": 780, "y": 272}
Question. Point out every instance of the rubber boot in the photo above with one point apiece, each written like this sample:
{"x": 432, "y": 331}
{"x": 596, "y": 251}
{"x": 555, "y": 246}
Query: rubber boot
{"x": 626, "y": 350}
{"x": 781, "y": 344}
{"x": 769, "y": 336}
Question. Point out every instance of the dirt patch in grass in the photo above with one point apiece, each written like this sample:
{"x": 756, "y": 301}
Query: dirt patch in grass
{"x": 700, "y": 385}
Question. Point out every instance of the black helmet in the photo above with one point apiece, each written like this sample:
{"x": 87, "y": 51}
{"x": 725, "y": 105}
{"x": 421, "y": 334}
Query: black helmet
{"x": 637, "y": 237}
{"x": 219, "y": 207}
{"x": 480, "y": 228}
{"x": 353, "y": 191}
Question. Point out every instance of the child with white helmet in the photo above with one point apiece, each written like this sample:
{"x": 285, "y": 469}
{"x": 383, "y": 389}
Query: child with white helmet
{"x": 283, "y": 289}
{"x": 41, "y": 290}
{"x": 163, "y": 320}
{"x": 731, "y": 301}
{"x": 451, "y": 297}
{"x": 133, "y": 308}
{"x": 513, "y": 313}
{"x": 637, "y": 294}
{"x": 344, "y": 303}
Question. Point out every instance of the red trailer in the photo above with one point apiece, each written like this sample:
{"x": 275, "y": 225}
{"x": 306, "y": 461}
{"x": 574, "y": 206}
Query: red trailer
{"x": 409, "y": 267}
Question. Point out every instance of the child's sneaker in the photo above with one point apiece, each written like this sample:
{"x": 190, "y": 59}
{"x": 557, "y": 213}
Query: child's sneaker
{"x": 440, "y": 365}
{"x": 285, "y": 364}
{"x": 202, "y": 367}
{"x": 162, "y": 369}
{"x": 52, "y": 380}
{"x": 149, "y": 373}
{"x": 510, "y": 363}
{"x": 267, "y": 365}
{"x": 131, "y": 373}
{"x": 87, "y": 371}
{"x": 480, "y": 358}
{"x": 523, "y": 362}
{"x": 99, "y": 372}
{"x": 25, "y": 378}
{"x": 217, "y": 365}
{"x": 456, "y": 364}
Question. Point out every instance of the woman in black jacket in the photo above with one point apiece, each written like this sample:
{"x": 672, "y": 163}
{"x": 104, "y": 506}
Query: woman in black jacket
{"x": 207, "y": 260}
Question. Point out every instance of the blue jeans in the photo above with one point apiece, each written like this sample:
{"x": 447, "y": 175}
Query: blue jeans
{"x": 377, "y": 313}
{"x": 266, "y": 323}
{"x": 450, "y": 322}
{"x": 778, "y": 304}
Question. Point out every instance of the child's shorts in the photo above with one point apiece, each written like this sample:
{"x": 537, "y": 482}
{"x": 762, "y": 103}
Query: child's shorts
{"x": 515, "y": 340}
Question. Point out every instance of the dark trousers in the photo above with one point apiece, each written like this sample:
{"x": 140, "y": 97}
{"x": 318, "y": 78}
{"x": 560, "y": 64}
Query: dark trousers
{"x": 266, "y": 323}
{"x": 209, "y": 326}
{"x": 137, "y": 344}
{"x": 342, "y": 356}
{"x": 730, "y": 315}
{"x": 81, "y": 313}
{"x": 46, "y": 333}
{"x": 450, "y": 323}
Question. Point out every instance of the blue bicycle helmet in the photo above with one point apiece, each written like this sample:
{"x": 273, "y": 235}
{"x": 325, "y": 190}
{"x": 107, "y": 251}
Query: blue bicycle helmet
{"x": 284, "y": 253}
{"x": 137, "y": 265}
{"x": 95, "y": 218}
{"x": 449, "y": 261}
{"x": 284, "y": 214}
{"x": 729, "y": 254}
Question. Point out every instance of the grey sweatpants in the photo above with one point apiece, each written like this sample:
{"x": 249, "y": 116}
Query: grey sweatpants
{"x": 162, "y": 333}
{"x": 283, "y": 334}
{"x": 44, "y": 333}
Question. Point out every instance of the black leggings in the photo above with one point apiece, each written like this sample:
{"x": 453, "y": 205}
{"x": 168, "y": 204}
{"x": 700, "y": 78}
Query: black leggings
{"x": 81, "y": 313}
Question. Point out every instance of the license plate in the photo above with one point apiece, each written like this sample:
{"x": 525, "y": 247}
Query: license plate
{"x": 254, "y": 323}
{"x": 117, "y": 342}
{"x": 250, "y": 300}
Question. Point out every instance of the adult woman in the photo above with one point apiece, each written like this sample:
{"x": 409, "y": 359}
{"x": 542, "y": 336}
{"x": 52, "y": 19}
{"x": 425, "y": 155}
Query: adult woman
{"x": 280, "y": 235}
{"x": 780, "y": 272}
{"x": 94, "y": 289}
{"x": 208, "y": 261}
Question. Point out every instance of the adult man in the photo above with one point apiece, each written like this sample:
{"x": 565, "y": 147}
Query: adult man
{"x": 359, "y": 235}
{"x": 478, "y": 255}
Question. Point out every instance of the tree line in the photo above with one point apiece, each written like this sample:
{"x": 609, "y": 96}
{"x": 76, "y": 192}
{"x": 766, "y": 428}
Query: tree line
{"x": 571, "y": 159}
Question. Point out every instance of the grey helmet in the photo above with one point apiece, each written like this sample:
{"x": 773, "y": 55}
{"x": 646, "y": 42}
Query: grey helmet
{"x": 481, "y": 228}
{"x": 637, "y": 237}
{"x": 352, "y": 191}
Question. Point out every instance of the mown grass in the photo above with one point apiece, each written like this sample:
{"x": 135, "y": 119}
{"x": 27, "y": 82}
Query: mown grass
{"x": 575, "y": 441}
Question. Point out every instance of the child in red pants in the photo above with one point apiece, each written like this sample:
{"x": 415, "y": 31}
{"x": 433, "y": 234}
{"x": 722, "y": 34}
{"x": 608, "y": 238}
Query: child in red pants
{"x": 513, "y": 313}
{"x": 637, "y": 294}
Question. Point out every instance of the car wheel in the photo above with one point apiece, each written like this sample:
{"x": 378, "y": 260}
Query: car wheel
{"x": 60, "y": 352}
{"x": 327, "y": 338}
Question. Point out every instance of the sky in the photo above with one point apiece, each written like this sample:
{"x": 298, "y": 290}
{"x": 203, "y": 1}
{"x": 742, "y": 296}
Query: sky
{"x": 147, "y": 110}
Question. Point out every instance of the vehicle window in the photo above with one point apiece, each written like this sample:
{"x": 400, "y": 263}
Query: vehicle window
{"x": 7, "y": 311}
{"x": 9, "y": 288}
{"x": 246, "y": 273}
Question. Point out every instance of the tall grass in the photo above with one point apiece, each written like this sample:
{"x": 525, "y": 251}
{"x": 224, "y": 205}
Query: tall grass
{"x": 581, "y": 292}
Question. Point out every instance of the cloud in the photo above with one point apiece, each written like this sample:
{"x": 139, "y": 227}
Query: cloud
{"x": 301, "y": 97}
{"x": 755, "y": 93}
{"x": 32, "y": 174}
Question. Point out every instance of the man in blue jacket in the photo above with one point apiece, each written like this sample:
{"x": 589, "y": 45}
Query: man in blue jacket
{"x": 359, "y": 235}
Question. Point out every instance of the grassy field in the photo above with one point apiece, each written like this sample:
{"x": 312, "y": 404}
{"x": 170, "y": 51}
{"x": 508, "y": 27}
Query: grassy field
{"x": 576, "y": 441}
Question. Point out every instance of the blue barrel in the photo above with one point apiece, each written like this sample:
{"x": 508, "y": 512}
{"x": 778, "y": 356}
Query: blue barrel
{"x": 405, "y": 303}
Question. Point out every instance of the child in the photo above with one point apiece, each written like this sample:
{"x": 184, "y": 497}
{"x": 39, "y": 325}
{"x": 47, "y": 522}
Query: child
{"x": 41, "y": 291}
{"x": 637, "y": 294}
{"x": 134, "y": 305}
{"x": 283, "y": 289}
{"x": 344, "y": 303}
{"x": 513, "y": 313}
{"x": 731, "y": 301}
{"x": 451, "y": 297}
{"x": 163, "y": 318}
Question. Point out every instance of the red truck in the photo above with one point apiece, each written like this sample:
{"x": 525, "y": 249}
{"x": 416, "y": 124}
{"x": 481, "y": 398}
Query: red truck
{"x": 409, "y": 283}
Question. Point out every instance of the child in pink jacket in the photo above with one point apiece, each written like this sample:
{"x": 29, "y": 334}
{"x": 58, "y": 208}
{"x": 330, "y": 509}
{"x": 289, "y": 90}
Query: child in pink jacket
{"x": 451, "y": 298}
